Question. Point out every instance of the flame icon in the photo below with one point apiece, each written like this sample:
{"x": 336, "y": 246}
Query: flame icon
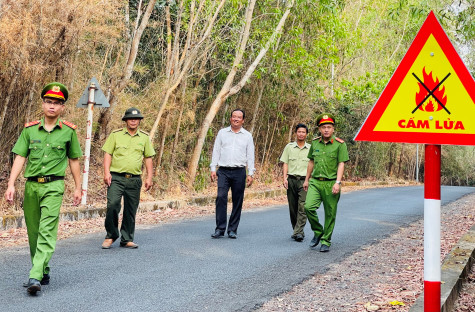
{"x": 430, "y": 105}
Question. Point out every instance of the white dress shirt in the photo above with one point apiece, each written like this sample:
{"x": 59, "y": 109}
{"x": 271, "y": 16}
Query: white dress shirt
{"x": 233, "y": 149}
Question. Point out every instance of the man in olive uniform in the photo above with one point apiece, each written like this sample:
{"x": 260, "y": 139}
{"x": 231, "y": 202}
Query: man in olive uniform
{"x": 125, "y": 150}
{"x": 295, "y": 162}
{"x": 327, "y": 155}
{"x": 45, "y": 145}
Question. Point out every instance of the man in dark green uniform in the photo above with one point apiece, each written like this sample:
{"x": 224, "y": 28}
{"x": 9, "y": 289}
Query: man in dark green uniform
{"x": 327, "y": 155}
{"x": 295, "y": 162}
{"x": 125, "y": 150}
{"x": 45, "y": 145}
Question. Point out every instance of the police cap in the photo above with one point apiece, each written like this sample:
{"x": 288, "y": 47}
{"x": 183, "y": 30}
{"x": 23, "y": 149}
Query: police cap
{"x": 55, "y": 90}
{"x": 325, "y": 119}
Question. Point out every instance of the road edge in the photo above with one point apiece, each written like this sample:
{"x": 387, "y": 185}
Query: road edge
{"x": 455, "y": 268}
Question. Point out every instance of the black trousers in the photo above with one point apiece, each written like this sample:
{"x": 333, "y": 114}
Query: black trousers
{"x": 234, "y": 178}
{"x": 129, "y": 188}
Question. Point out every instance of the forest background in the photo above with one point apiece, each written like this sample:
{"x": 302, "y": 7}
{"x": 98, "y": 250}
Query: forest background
{"x": 187, "y": 63}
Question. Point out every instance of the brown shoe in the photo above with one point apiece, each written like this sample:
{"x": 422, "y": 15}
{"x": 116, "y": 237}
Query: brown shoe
{"x": 131, "y": 245}
{"x": 107, "y": 243}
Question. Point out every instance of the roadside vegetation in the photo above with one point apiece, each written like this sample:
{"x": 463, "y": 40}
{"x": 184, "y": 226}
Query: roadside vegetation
{"x": 187, "y": 63}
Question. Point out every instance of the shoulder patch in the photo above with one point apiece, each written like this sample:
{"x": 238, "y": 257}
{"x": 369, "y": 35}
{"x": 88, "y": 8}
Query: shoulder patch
{"x": 117, "y": 130}
{"x": 32, "y": 123}
{"x": 143, "y": 132}
{"x": 339, "y": 140}
{"x": 69, "y": 124}
{"x": 316, "y": 138}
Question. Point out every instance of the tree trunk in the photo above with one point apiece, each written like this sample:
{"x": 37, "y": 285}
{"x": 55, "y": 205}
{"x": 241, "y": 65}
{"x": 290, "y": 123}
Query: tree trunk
{"x": 256, "y": 107}
{"x": 226, "y": 90}
{"x": 121, "y": 82}
{"x": 180, "y": 68}
{"x": 158, "y": 165}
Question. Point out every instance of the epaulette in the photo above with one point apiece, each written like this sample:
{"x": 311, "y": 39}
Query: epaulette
{"x": 144, "y": 132}
{"x": 69, "y": 124}
{"x": 316, "y": 138}
{"x": 32, "y": 123}
{"x": 117, "y": 130}
{"x": 339, "y": 140}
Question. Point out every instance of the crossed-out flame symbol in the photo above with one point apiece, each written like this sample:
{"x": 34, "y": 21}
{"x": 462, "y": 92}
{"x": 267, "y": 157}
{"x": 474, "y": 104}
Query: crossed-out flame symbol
{"x": 429, "y": 90}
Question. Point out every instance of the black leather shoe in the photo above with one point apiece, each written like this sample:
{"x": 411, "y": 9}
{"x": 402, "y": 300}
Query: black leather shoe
{"x": 324, "y": 248}
{"x": 232, "y": 234}
{"x": 34, "y": 286}
{"x": 217, "y": 234}
{"x": 44, "y": 281}
{"x": 315, "y": 240}
{"x": 299, "y": 237}
{"x": 293, "y": 236}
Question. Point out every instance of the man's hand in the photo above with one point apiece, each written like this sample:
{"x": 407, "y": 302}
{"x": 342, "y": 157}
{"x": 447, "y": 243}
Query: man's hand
{"x": 148, "y": 183}
{"x": 213, "y": 176}
{"x": 10, "y": 194}
{"x": 107, "y": 178}
{"x": 249, "y": 181}
{"x": 286, "y": 184}
{"x": 305, "y": 185}
{"x": 77, "y": 196}
{"x": 336, "y": 188}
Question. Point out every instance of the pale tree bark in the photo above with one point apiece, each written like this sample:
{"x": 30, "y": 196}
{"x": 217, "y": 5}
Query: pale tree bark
{"x": 228, "y": 89}
{"x": 256, "y": 106}
{"x": 180, "y": 66}
{"x": 117, "y": 85}
{"x": 158, "y": 165}
{"x": 177, "y": 134}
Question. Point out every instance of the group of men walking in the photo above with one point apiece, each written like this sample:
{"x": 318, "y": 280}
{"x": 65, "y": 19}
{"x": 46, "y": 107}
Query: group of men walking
{"x": 312, "y": 176}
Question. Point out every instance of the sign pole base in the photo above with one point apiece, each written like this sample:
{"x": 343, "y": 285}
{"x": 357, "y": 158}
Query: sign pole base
{"x": 432, "y": 270}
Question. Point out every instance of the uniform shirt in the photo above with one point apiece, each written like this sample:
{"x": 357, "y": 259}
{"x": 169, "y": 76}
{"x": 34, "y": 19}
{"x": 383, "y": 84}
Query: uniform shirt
{"x": 326, "y": 157}
{"x": 296, "y": 158}
{"x": 128, "y": 150}
{"x": 233, "y": 150}
{"x": 47, "y": 152}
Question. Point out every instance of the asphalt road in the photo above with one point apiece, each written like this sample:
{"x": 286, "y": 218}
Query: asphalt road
{"x": 178, "y": 267}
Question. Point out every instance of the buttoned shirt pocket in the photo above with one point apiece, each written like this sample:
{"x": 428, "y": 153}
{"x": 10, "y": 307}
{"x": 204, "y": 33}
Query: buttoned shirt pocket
{"x": 58, "y": 149}
{"x": 35, "y": 150}
{"x": 121, "y": 149}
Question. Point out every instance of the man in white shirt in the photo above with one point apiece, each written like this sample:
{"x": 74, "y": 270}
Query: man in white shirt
{"x": 233, "y": 150}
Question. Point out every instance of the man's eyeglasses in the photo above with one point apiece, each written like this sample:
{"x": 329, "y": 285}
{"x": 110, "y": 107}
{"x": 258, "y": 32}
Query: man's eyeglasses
{"x": 51, "y": 102}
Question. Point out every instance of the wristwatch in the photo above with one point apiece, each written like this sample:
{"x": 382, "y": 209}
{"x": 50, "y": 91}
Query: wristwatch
{"x": 338, "y": 182}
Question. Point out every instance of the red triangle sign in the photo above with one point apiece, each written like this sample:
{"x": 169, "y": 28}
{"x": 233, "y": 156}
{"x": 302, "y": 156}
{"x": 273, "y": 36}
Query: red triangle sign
{"x": 430, "y": 98}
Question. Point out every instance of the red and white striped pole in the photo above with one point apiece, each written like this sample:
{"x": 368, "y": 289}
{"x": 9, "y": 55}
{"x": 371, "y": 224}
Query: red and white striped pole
{"x": 432, "y": 270}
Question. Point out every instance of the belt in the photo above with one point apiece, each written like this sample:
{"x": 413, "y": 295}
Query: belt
{"x": 231, "y": 168}
{"x": 126, "y": 175}
{"x": 45, "y": 179}
{"x": 296, "y": 177}
{"x": 324, "y": 179}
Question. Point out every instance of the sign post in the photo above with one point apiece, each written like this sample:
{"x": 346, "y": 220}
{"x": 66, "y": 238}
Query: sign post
{"x": 429, "y": 100}
{"x": 91, "y": 96}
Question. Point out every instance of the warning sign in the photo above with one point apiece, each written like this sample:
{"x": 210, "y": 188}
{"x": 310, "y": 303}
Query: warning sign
{"x": 430, "y": 98}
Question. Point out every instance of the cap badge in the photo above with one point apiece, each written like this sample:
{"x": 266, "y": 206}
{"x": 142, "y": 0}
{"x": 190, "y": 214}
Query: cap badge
{"x": 134, "y": 112}
{"x": 325, "y": 116}
{"x": 56, "y": 89}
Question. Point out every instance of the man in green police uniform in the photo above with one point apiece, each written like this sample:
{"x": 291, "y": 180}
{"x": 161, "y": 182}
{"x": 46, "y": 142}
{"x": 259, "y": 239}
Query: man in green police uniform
{"x": 327, "y": 155}
{"x": 125, "y": 150}
{"x": 295, "y": 162}
{"x": 45, "y": 145}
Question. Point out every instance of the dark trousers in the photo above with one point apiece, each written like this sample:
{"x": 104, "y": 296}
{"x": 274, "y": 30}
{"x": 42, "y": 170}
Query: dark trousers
{"x": 129, "y": 188}
{"x": 296, "y": 196}
{"x": 234, "y": 178}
